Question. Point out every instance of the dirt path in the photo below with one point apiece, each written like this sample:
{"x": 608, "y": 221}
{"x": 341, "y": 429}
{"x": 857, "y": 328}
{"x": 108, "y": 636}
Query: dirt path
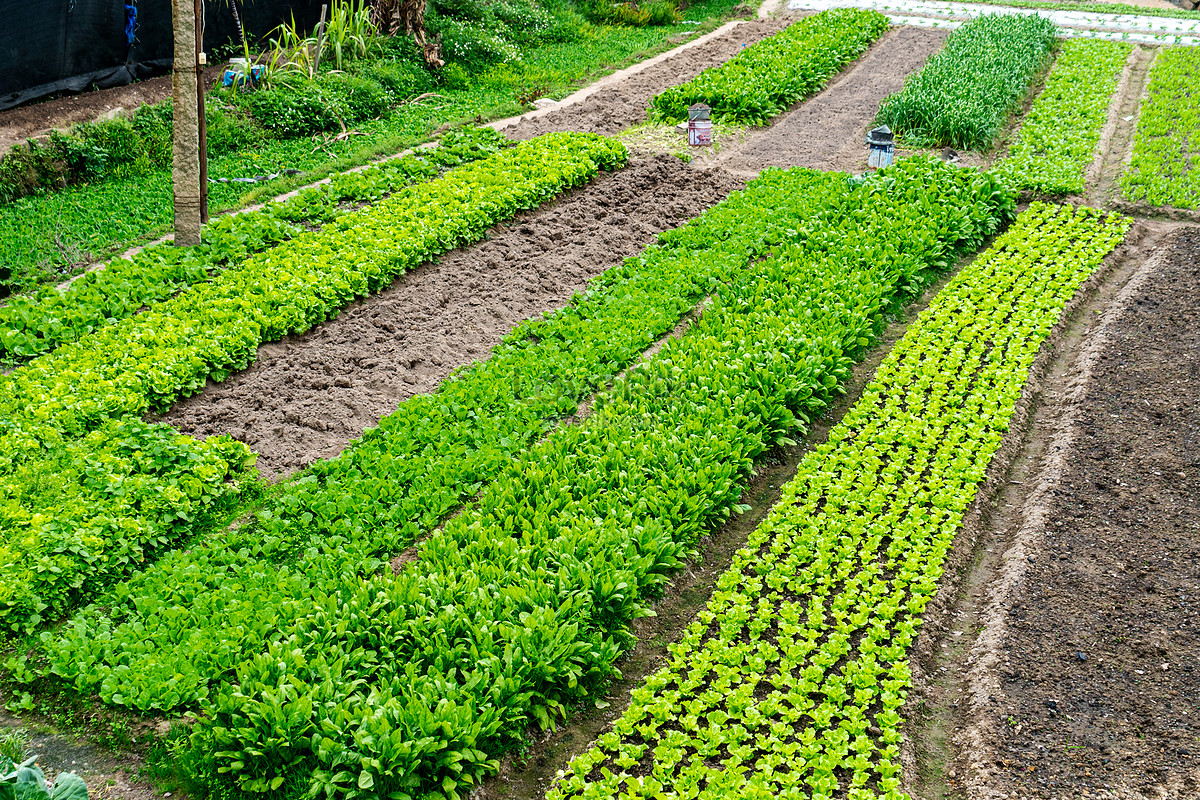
{"x": 1085, "y": 562}
{"x": 1116, "y": 139}
{"x": 307, "y": 396}
{"x": 611, "y": 110}
{"x": 826, "y": 132}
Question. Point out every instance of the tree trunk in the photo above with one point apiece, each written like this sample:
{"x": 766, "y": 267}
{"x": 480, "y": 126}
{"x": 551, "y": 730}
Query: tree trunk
{"x": 186, "y": 146}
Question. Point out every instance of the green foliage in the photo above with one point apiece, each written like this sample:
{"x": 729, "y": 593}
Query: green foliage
{"x": 791, "y": 682}
{"x": 1167, "y": 143}
{"x": 1059, "y": 135}
{"x": 44, "y": 237}
{"x": 767, "y": 77}
{"x": 402, "y": 80}
{"x": 26, "y": 781}
{"x": 295, "y": 108}
{"x": 14, "y": 744}
{"x": 965, "y": 93}
{"x": 85, "y": 487}
{"x": 411, "y": 684}
{"x": 608, "y": 12}
{"x": 117, "y": 148}
{"x": 354, "y": 98}
{"x": 33, "y": 324}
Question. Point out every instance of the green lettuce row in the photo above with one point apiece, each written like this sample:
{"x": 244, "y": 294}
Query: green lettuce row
{"x": 33, "y": 324}
{"x": 73, "y": 516}
{"x": 965, "y": 93}
{"x": 1058, "y": 137}
{"x": 409, "y": 684}
{"x": 1167, "y": 143}
{"x": 790, "y": 683}
{"x": 769, "y": 76}
{"x": 433, "y": 453}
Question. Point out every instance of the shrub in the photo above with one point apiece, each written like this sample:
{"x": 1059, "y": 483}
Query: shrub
{"x": 400, "y": 79}
{"x": 292, "y": 109}
{"x": 633, "y": 14}
{"x": 353, "y": 98}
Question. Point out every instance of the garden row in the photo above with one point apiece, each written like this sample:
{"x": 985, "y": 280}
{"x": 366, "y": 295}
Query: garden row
{"x": 768, "y": 77}
{"x": 76, "y": 527}
{"x": 344, "y": 679}
{"x": 791, "y": 682}
{"x": 792, "y": 64}
{"x": 1167, "y": 142}
{"x": 1058, "y": 137}
{"x": 89, "y": 490}
{"x": 32, "y": 324}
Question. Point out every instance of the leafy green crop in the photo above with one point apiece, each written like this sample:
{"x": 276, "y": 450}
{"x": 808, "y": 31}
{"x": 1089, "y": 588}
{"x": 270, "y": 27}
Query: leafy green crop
{"x": 409, "y": 684}
{"x": 790, "y": 683}
{"x": 33, "y": 324}
{"x": 26, "y": 781}
{"x": 1167, "y": 142}
{"x": 69, "y": 419}
{"x": 767, "y": 77}
{"x": 1058, "y": 137}
{"x": 965, "y": 93}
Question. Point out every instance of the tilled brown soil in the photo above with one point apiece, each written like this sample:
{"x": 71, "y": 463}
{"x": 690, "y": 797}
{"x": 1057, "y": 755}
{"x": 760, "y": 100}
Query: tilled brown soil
{"x": 609, "y": 111}
{"x": 1085, "y": 678}
{"x": 1103, "y": 665}
{"x": 827, "y": 132}
{"x": 308, "y": 396}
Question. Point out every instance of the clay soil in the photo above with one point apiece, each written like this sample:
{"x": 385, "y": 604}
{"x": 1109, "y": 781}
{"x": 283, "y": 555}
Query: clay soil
{"x": 308, "y": 396}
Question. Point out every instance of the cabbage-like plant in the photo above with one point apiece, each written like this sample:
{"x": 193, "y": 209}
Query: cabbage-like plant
{"x": 26, "y": 781}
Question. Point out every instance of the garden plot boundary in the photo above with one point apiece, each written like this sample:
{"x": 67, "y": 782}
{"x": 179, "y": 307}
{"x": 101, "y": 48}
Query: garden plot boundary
{"x": 1071, "y": 24}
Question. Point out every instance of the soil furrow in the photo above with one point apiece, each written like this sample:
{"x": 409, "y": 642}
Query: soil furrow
{"x": 827, "y": 131}
{"x": 1098, "y": 689}
{"x": 1116, "y": 140}
{"x": 308, "y": 396}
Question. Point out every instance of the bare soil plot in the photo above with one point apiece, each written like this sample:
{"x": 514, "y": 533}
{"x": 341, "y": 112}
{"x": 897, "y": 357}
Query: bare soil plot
{"x": 307, "y": 397}
{"x": 611, "y": 110}
{"x": 1102, "y": 671}
{"x": 827, "y": 131}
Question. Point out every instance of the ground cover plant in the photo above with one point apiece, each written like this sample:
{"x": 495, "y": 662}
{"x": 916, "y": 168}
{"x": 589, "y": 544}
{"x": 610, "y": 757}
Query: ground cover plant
{"x": 965, "y": 93}
{"x": 71, "y": 419}
{"x": 517, "y": 606}
{"x": 1058, "y": 136}
{"x": 47, "y": 236}
{"x": 1168, "y": 132}
{"x": 771, "y": 75}
{"x": 433, "y": 453}
{"x": 35, "y": 323}
{"x": 791, "y": 682}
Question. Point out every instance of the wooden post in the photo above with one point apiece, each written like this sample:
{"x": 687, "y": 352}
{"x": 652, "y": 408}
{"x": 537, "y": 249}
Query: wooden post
{"x": 201, "y": 118}
{"x": 320, "y": 41}
{"x": 185, "y": 149}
